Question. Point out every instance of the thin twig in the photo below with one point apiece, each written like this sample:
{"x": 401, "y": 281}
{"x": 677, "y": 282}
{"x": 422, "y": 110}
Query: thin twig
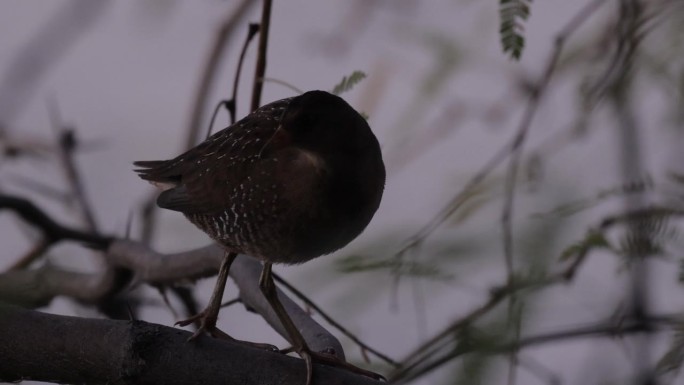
{"x": 631, "y": 161}
{"x": 518, "y": 142}
{"x": 38, "y": 249}
{"x": 67, "y": 145}
{"x": 148, "y": 216}
{"x": 510, "y": 148}
{"x": 513, "y": 148}
{"x": 428, "y": 349}
{"x": 332, "y": 322}
{"x": 231, "y": 104}
{"x": 230, "y": 107}
{"x": 253, "y": 29}
{"x": 261, "y": 58}
{"x": 284, "y": 84}
{"x": 52, "y": 231}
{"x": 538, "y": 370}
{"x": 515, "y": 315}
{"x": 211, "y": 69}
{"x": 601, "y": 329}
{"x": 524, "y": 126}
{"x": 442, "y": 340}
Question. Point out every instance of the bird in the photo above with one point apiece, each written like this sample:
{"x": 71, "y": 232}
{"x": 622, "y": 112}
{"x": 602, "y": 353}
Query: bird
{"x": 295, "y": 179}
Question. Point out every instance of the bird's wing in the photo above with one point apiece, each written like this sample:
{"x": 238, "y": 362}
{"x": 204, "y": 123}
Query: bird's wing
{"x": 203, "y": 178}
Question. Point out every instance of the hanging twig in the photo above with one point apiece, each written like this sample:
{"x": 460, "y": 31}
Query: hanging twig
{"x": 212, "y": 69}
{"x": 231, "y": 104}
{"x": 208, "y": 75}
{"x": 462, "y": 196}
{"x": 67, "y": 144}
{"x": 261, "y": 58}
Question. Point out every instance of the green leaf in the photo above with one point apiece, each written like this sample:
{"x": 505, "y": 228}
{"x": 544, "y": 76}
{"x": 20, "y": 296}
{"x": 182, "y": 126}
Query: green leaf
{"x": 512, "y": 14}
{"x": 348, "y": 82}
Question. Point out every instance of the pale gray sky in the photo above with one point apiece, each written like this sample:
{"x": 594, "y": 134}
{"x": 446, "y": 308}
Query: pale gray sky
{"x": 128, "y": 81}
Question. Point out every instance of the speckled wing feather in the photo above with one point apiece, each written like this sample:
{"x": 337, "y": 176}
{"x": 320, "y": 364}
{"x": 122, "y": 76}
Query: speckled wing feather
{"x": 238, "y": 151}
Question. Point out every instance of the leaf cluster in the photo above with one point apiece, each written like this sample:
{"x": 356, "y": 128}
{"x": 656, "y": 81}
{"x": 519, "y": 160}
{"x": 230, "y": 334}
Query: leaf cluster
{"x": 512, "y": 14}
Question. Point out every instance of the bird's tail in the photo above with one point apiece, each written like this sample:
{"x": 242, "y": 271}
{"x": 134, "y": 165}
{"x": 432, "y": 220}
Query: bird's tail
{"x": 157, "y": 171}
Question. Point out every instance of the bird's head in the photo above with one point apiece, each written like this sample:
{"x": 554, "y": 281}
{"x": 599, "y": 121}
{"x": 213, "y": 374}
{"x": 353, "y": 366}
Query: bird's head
{"x": 324, "y": 123}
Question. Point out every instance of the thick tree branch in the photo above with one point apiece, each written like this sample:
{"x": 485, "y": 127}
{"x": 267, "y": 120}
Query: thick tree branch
{"x": 45, "y": 347}
{"x": 38, "y": 287}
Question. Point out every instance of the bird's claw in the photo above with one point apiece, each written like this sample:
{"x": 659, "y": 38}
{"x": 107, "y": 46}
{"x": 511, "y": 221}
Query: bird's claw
{"x": 330, "y": 360}
{"x": 209, "y": 326}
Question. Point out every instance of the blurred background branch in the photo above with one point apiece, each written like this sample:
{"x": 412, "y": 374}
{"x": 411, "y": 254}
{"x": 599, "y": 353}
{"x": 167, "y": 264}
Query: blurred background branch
{"x": 587, "y": 208}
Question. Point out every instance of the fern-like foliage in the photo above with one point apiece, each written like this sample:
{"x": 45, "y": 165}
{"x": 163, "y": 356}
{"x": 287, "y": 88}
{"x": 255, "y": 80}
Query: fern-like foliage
{"x": 593, "y": 240}
{"x": 638, "y": 186}
{"x": 648, "y": 232}
{"x": 513, "y": 13}
{"x": 673, "y": 359}
{"x": 359, "y": 263}
{"x": 348, "y": 82}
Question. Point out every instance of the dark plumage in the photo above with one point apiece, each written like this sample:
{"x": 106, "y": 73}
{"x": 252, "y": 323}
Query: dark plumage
{"x": 295, "y": 179}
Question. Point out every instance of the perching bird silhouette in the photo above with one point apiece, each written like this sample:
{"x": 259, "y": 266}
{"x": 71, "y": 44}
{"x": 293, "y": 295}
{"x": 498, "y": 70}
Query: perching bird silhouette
{"x": 296, "y": 179}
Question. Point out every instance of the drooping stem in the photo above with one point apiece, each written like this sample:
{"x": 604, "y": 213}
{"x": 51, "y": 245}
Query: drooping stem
{"x": 261, "y": 58}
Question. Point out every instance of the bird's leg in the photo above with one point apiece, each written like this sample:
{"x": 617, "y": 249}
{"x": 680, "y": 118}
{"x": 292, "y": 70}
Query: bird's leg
{"x": 298, "y": 343}
{"x": 209, "y": 315}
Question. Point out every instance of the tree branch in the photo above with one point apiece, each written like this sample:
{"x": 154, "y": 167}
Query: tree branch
{"x": 155, "y": 268}
{"x": 52, "y": 231}
{"x": 39, "y": 286}
{"x": 512, "y": 147}
{"x": 46, "y": 347}
{"x": 603, "y": 329}
{"x": 211, "y": 69}
{"x": 261, "y": 58}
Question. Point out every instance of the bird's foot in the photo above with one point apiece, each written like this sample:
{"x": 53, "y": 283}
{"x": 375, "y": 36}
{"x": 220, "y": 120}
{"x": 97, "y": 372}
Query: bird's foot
{"x": 224, "y": 336}
{"x": 310, "y": 357}
{"x": 207, "y": 324}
